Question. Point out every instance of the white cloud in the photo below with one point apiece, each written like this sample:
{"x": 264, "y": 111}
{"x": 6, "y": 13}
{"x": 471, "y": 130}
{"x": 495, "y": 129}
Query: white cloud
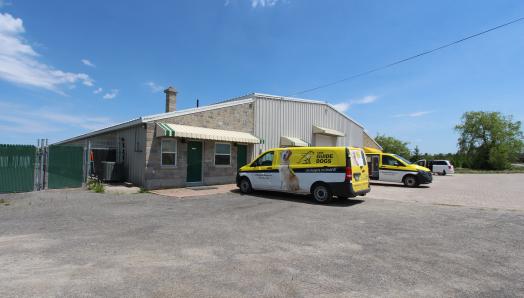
{"x": 19, "y": 62}
{"x": 112, "y": 94}
{"x": 98, "y": 90}
{"x": 263, "y": 3}
{"x": 87, "y": 63}
{"x": 154, "y": 87}
{"x": 16, "y": 118}
{"x": 365, "y": 100}
{"x": 414, "y": 114}
{"x": 4, "y": 3}
{"x": 344, "y": 106}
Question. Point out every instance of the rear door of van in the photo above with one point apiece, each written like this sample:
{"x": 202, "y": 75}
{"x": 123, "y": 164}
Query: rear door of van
{"x": 359, "y": 169}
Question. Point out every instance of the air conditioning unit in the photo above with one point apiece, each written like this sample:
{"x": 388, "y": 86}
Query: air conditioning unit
{"x": 111, "y": 171}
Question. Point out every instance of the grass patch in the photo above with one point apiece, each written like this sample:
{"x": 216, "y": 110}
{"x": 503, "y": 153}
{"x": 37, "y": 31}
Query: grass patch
{"x": 143, "y": 190}
{"x": 514, "y": 170}
{"x": 4, "y": 202}
{"x": 95, "y": 185}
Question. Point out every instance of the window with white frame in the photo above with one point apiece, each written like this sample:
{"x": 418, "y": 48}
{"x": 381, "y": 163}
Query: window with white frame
{"x": 222, "y": 154}
{"x": 168, "y": 148}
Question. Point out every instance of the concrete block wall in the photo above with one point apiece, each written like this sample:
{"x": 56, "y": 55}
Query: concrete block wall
{"x": 236, "y": 118}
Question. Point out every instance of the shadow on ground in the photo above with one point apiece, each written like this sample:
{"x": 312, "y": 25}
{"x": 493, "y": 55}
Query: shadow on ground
{"x": 305, "y": 199}
{"x": 396, "y": 185}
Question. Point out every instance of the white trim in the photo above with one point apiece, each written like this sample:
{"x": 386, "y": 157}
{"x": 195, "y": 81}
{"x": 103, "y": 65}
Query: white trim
{"x": 215, "y": 155}
{"x": 162, "y": 165}
{"x": 126, "y": 124}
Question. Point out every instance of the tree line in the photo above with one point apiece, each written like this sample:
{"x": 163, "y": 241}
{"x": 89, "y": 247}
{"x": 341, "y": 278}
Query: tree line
{"x": 487, "y": 141}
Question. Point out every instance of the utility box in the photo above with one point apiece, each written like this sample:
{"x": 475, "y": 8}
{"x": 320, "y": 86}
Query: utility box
{"x": 111, "y": 171}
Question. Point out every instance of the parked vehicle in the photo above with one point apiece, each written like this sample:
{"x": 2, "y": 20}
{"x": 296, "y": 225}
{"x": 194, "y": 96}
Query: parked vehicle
{"x": 389, "y": 167}
{"x": 322, "y": 171}
{"x": 441, "y": 167}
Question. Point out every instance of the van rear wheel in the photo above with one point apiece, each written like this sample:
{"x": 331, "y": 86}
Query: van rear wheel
{"x": 322, "y": 194}
{"x": 410, "y": 181}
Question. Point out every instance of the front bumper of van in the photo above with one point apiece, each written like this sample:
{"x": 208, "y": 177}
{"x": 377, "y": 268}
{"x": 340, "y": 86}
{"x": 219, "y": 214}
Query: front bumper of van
{"x": 345, "y": 189}
{"x": 424, "y": 177}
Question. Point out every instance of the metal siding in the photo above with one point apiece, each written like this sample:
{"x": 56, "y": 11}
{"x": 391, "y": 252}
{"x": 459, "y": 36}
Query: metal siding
{"x": 134, "y": 161}
{"x": 274, "y": 117}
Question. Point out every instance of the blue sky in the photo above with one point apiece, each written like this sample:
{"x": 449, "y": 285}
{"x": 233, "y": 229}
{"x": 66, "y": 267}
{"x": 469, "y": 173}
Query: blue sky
{"x": 68, "y": 67}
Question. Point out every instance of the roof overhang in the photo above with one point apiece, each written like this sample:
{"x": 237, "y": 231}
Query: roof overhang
{"x": 292, "y": 142}
{"x": 327, "y": 131}
{"x": 202, "y": 133}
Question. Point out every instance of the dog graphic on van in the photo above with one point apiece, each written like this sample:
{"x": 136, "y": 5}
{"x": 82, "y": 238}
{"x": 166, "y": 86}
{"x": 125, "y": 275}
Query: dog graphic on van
{"x": 288, "y": 179}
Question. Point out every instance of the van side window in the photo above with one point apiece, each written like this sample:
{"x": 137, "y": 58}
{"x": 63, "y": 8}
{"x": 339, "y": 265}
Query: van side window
{"x": 265, "y": 160}
{"x": 390, "y": 161}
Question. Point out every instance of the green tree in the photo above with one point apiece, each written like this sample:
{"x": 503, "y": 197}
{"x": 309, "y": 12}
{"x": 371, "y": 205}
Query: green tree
{"x": 416, "y": 154}
{"x": 393, "y": 145}
{"x": 489, "y": 140}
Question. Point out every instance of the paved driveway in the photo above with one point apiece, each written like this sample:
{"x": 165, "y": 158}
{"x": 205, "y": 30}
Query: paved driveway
{"x": 75, "y": 243}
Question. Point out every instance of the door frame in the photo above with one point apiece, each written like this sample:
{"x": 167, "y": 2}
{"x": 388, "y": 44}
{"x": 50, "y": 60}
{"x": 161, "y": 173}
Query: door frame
{"x": 201, "y": 181}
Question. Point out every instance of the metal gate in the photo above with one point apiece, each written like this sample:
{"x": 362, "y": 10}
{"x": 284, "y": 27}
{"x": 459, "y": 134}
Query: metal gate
{"x": 65, "y": 166}
{"x": 17, "y": 168}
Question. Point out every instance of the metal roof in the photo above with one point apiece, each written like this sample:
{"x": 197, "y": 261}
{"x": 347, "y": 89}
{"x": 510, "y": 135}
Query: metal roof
{"x": 226, "y": 103}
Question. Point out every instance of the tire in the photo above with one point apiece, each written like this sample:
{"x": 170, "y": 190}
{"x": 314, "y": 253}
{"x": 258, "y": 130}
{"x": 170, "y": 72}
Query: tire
{"x": 444, "y": 173}
{"x": 245, "y": 186}
{"x": 322, "y": 194}
{"x": 410, "y": 181}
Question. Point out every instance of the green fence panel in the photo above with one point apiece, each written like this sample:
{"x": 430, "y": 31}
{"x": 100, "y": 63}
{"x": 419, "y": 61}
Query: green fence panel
{"x": 65, "y": 166}
{"x": 17, "y": 168}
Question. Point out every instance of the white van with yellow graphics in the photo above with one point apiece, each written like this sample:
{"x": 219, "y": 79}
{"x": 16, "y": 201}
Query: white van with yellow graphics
{"x": 389, "y": 167}
{"x": 322, "y": 171}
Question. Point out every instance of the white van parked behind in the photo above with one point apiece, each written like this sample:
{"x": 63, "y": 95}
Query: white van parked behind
{"x": 441, "y": 167}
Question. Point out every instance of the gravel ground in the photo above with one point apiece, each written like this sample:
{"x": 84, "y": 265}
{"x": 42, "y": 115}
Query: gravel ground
{"x": 498, "y": 191}
{"x": 76, "y": 243}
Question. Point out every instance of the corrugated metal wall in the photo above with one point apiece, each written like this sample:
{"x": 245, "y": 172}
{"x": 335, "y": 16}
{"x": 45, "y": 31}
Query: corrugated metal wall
{"x": 275, "y": 118}
{"x": 134, "y": 158}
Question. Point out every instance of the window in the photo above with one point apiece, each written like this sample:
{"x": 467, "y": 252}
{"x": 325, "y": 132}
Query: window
{"x": 264, "y": 160}
{"x": 390, "y": 161}
{"x": 168, "y": 148}
{"x": 222, "y": 154}
{"x": 357, "y": 158}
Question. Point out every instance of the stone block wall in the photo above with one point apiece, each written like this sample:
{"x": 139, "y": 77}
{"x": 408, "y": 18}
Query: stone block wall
{"x": 236, "y": 118}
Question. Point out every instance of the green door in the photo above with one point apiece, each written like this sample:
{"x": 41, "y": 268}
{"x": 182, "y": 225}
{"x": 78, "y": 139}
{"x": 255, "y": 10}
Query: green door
{"x": 241, "y": 156}
{"x": 194, "y": 161}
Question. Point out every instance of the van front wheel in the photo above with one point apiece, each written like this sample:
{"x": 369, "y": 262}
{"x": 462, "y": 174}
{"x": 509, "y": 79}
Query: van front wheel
{"x": 245, "y": 186}
{"x": 410, "y": 181}
{"x": 322, "y": 194}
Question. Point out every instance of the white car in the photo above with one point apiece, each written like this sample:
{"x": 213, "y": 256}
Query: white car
{"x": 441, "y": 167}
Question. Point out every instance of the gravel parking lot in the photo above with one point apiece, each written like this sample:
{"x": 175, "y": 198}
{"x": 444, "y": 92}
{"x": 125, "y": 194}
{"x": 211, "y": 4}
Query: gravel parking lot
{"x": 498, "y": 191}
{"x": 77, "y": 243}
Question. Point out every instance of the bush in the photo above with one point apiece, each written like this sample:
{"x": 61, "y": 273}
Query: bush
{"x": 95, "y": 185}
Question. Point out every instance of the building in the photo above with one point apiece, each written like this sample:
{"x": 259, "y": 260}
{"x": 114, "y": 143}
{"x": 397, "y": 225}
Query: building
{"x": 206, "y": 145}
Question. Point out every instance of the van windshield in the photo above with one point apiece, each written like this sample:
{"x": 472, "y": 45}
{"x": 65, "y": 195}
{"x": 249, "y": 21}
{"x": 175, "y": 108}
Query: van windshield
{"x": 403, "y": 159}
